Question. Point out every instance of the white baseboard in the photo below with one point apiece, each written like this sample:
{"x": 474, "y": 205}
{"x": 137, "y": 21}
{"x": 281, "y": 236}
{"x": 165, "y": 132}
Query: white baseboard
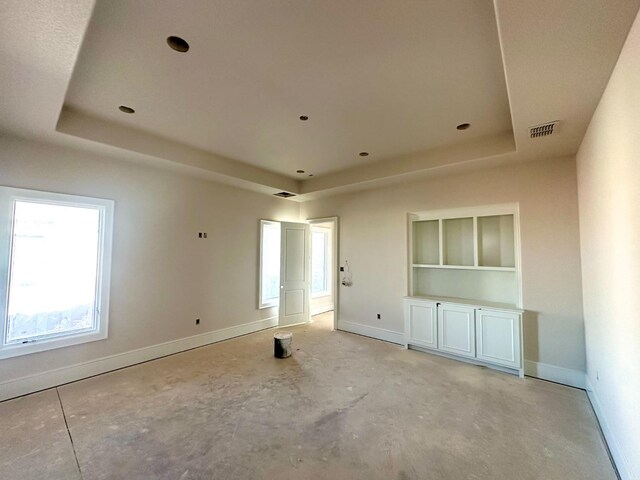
{"x": 619, "y": 458}
{"x": 373, "y": 332}
{"x": 553, "y": 373}
{"x": 52, "y": 378}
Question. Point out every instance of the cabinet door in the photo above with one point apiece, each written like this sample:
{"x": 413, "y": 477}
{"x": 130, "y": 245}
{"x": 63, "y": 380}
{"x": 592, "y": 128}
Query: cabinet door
{"x": 498, "y": 337}
{"x": 456, "y": 330}
{"x": 420, "y": 319}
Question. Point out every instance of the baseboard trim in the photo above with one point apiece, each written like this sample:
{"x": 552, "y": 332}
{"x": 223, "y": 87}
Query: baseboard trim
{"x": 52, "y": 378}
{"x": 617, "y": 454}
{"x": 373, "y": 332}
{"x": 553, "y": 373}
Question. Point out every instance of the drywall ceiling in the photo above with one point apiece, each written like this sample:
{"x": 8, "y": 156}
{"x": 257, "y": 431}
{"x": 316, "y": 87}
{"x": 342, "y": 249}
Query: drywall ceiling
{"x": 392, "y": 78}
{"x": 388, "y": 78}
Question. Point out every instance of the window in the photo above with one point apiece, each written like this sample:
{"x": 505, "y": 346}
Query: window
{"x": 320, "y": 262}
{"x": 269, "y": 264}
{"x": 55, "y": 254}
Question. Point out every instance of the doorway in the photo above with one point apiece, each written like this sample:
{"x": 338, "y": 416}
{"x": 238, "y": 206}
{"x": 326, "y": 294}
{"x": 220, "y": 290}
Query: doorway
{"x": 299, "y": 270}
{"x": 324, "y": 267}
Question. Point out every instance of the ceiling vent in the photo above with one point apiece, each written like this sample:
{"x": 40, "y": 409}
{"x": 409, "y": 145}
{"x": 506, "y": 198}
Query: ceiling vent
{"x": 543, "y": 130}
{"x": 285, "y": 194}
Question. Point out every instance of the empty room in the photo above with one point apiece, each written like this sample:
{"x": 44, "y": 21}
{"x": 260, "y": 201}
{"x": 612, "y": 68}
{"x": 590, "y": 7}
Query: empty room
{"x": 320, "y": 239}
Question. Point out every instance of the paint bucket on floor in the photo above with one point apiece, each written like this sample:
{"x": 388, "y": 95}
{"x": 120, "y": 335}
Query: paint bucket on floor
{"x": 282, "y": 344}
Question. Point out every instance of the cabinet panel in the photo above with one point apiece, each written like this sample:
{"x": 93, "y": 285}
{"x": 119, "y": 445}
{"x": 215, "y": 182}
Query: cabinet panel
{"x": 421, "y": 324}
{"x": 498, "y": 337}
{"x": 456, "y": 330}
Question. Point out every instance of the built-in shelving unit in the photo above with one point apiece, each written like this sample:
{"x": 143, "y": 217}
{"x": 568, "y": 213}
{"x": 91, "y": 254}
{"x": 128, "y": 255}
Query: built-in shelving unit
{"x": 468, "y": 253}
{"x": 465, "y": 293}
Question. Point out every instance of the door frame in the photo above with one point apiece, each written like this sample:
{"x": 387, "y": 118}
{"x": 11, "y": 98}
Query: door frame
{"x": 336, "y": 263}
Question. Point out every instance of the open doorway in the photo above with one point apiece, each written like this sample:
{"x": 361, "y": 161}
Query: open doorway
{"x": 324, "y": 269}
{"x": 299, "y": 270}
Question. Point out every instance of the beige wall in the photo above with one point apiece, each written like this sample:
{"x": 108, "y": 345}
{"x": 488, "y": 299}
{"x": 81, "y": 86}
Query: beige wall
{"x": 609, "y": 199}
{"x": 373, "y": 238}
{"x": 163, "y": 276}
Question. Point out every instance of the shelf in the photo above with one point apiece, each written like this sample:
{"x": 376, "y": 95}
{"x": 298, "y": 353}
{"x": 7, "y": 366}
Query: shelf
{"x": 468, "y": 253}
{"x": 457, "y": 240}
{"x": 464, "y": 267}
{"x": 496, "y": 246}
{"x": 426, "y": 242}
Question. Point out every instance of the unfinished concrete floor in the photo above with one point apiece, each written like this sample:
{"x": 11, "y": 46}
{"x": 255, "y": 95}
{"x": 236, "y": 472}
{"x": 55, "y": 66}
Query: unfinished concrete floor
{"x": 343, "y": 407}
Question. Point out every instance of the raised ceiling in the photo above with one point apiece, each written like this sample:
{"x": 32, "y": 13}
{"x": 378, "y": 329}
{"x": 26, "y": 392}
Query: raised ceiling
{"x": 388, "y": 78}
{"x": 392, "y": 78}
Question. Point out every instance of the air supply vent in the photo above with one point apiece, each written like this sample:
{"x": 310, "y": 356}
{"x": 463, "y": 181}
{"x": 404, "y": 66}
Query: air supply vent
{"x": 543, "y": 130}
{"x": 285, "y": 194}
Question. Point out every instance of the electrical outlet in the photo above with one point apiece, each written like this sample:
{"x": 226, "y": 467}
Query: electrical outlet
{"x": 205, "y": 234}
{"x": 199, "y": 234}
{"x": 378, "y": 316}
{"x": 197, "y": 321}
{"x": 342, "y": 269}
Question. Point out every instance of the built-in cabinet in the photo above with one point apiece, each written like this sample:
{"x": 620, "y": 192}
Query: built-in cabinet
{"x": 483, "y": 334}
{"x": 465, "y": 293}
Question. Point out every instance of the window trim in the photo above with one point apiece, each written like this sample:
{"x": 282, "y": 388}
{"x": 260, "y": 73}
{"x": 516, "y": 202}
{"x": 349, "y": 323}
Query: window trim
{"x": 272, "y": 303}
{"x": 8, "y": 197}
{"x": 327, "y": 262}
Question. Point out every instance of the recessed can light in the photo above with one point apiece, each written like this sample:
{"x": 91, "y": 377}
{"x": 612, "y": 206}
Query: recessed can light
{"x": 463, "y": 126}
{"x": 304, "y": 118}
{"x": 364, "y": 154}
{"x": 125, "y": 109}
{"x": 178, "y": 44}
{"x": 299, "y": 171}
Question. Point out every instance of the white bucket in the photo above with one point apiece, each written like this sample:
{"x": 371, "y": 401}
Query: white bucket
{"x": 282, "y": 344}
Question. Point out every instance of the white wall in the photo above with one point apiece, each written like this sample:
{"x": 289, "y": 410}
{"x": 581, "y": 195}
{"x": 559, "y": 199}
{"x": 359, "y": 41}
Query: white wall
{"x": 163, "y": 276}
{"x": 373, "y": 238}
{"x": 609, "y": 199}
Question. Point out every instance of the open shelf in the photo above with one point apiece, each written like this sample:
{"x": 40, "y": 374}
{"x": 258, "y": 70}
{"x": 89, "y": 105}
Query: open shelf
{"x": 457, "y": 240}
{"x": 464, "y": 267}
{"x": 470, "y": 253}
{"x": 479, "y": 285}
{"x": 426, "y": 245}
{"x": 496, "y": 245}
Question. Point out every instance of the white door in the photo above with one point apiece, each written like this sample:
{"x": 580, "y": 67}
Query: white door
{"x": 295, "y": 275}
{"x": 421, "y": 318}
{"x": 456, "y": 330}
{"x": 498, "y": 337}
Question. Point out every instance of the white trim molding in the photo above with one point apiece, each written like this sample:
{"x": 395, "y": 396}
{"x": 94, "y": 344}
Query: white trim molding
{"x": 617, "y": 452}
{"x": 373, "y": 332}
{"x": 553, "y": 373}
{"x": 59, "y": 376}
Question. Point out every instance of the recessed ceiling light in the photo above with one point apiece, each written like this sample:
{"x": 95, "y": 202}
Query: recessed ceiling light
{"x": 125, "y": 109}
{"x": 299, "y": 171}
{"x": 178, "y": 44}
{"x": 304, "y": 118}
{"x": 364, "y": 154}
{"x": 463, "y": 126}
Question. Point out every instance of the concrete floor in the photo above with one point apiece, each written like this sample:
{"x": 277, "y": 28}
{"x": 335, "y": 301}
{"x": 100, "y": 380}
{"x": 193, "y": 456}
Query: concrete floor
{"x": 343, "y": 407}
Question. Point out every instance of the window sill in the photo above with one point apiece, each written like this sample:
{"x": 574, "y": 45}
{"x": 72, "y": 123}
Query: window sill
{"x": 18, "y": 349}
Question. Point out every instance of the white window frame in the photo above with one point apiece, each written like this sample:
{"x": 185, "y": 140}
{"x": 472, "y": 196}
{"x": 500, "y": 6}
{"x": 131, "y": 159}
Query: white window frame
{"x": 274, "y": 302}
{"x": 327, "y": 262}
{"x": 8, "y": 197}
